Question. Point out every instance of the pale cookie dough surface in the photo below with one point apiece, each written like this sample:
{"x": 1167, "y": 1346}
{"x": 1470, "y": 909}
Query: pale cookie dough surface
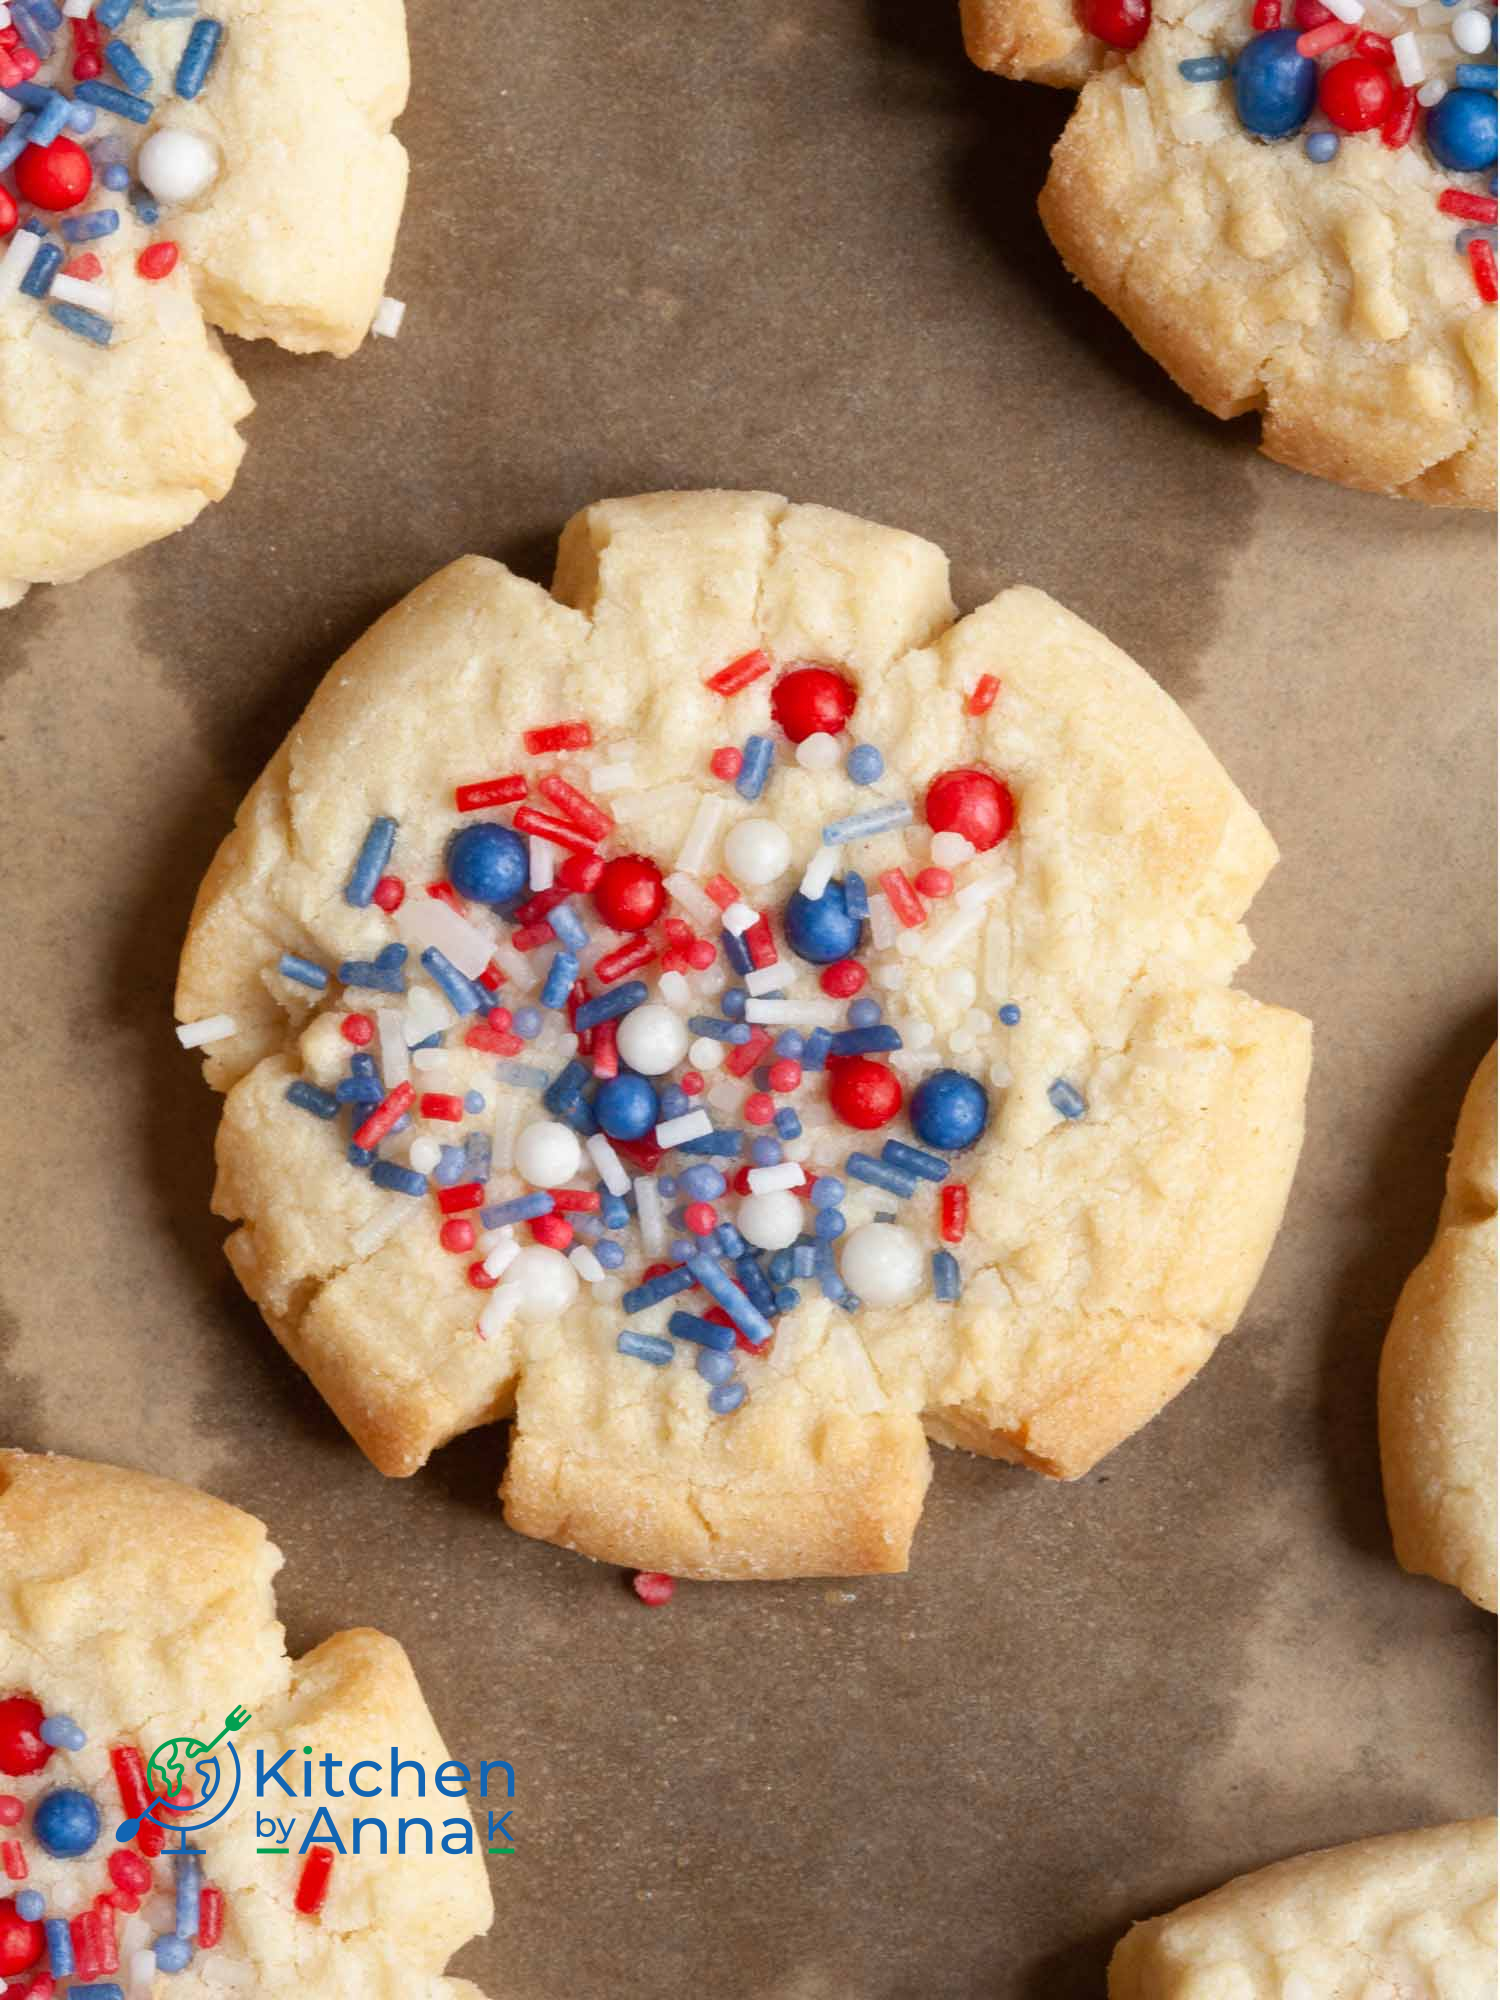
{"x": 144, "y": 1610}
{"x": 1327, "y": 297}
{"x": 1105, "y": 1256}
{"x": 1437, "y": 1375}
{"x": 105, "y": 449}
{"x": 1409, "y": 1916}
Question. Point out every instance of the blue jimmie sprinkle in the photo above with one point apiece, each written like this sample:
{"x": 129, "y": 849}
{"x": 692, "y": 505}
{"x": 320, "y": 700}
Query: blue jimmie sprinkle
{"x": 107, "y": 98}
{"x": 189, "y": 1894}
{"x": 62, "y": 1732}
{"x": 308, "y": 1097}
{"x": 1475, "y": 76}
{"x": 715, "y": 1145}
{"x": 779, "y": 1266}
{"x": 757, "y": 1287}
{"x": 521, "y": 1208}
{"x": 1065, "y": 1099}
{"x": 865, "y": 1041}
{"x": 723, "y": 1402}
{"x": 645, "y": 1347}
{"x": 568, "y": 927}
{"x": 47, "y": 12}
{"x": 756, "y": 767}
{"x": 665, "y": 1285}
{"x": 128, "y": 66}
{"x": 524, "y": 1076}
{"x": 527, "y": 1021}
{"x": 804, "y": 1260}
{"x": 788, "y": 1124}
{"x": 815, "y": 1054}
{"x": 912, "y": 1160}
{"x": 566, "y": 1088}
{"x": 33, "y": 33}
{"x": 614, "y": 1210}
{"x": 358, "y": 1090}
{"x": 30, "y": 1904}
{"x": 702, "y": 1183}
{"x": 51, "y": 117}
{"x": 1320, "y": 147}
{"x": 827, "y": 1273}
{"x": 43, "y": 268}
{"x": 737, "y": 952}
{"x": 724, "y": 1292}
{"x": 15, "y": 142}
{"x": 172, "y": 1954}
{"x": 732, "y": 1002}
{"x": 1010, "y": 1013}
{"x": 449, "y": 1170}
{"x": 144, "y": 209}
{"x": 1203, "y": 69}
{"x": 82, "y": 118}
{"x": 788, "y": 1298}
{"x": 764, "y": 1152}
{"x": 559, "y": 981}
{"x": 303, "y": 970}
{"x": 360, "y": 972}
{"x": 115, "y": 176}
{"x": 462, "y": 995}
{"x": 473, "y": 1104}
{"x": 728, "y": 1241}
{"x": 715, "y": 1030}
{"x": 706, "y": 1332}
{"x": 198, "y": 58}
{"x": 610, "y": 1255}
{"x": 789, "y": 1044}
{"x": 59, "y": 1947}
{"x": 856, "y": 897}
{"x": 947, "y": 1281}
{"x": 171, "y": 10}
{"x": 864, "y": 764}
{"x": 611, "y": 1005}
{"x": 864, "y": 1013}
{"x": 827, "y": 1191}
{"x": 715, "y": 1368}
{"x": 399, "y": 1180}
{"x": 110, "y": 13}
{"x": 359, "y": 890}
{"x": 829, "y": 1223}
{"x": 865, "y": 825}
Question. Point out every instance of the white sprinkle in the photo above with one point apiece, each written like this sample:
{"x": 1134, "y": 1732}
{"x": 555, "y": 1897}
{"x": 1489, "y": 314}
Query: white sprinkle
{"x": 585, "y": 1263}
{"x": 770, "y": 1180}
{"x": 500, "y": 1256}
{"x": 383, "y": 1224}
{"x": 957, "y": 985}
{"x": 424, "y": 1154}
{"x": 951, "y": 850}
{"x": 83, "y": 292}
{"x": 674, "y": 989}
{"x": 607, "y": 778}
{"x": 1432, "y": 92}
{"x": 1347, "y": 10}
{"x": 702, "y": 834}
{"x": 510, "y": 1110}
{"x": 425, "y": 920}
{"x": 727, "y": 1095}
{"x": 74, "y": 10}
{"x": 677, "y": 1131}
{"x": 388, "y": 314}
{"x": 1470, "y": 32}
{"x": 983, "y": 889}
{"x": 700, "y": 907}
{"x": 1409, "y": 64}
{"x": 516, "y": 966}
{"x": 712, "y": 980}
{"x": 16, "y": 263}
{"x": 499, "y": 1310}
{"x": 426, "y": 1013}
{"x": 891, "y": 974}
{"x": 607, "y": 1160}
{"x": 142, "y": 1973}
{"x": 794, "y": 1013}
{"x": 739, "y": 918}
{"x": 820, "y": 872}
{"x": 10, "y": 111}
{"x": 428, "y": 1062}
{"x": 818, "y": 752}
{"x": 542, "y": 872}
{"x": 766, "y": 978}
{"x": 648, "y": 1215}
{"x": 706, "y": 1054}
{"x": 883, "y": 926}
{"x": 212, "y": 1027}
{"x": 395, "y": 1064}
{"x": 961, "y": 1043}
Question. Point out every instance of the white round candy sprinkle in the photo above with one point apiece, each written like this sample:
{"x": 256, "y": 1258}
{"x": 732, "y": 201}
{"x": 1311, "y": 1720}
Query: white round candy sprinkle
{"x": 176, "y": 165}
{"x": 818, "y": 752}
{"x": 882, "y": 1263}
{"x": 424, "y": 1155}
{"x": 950, "y": 850}
{"x": 770, "y": 1221}
{"x": 756, "y": 851}
{"x": 652, "y": 1039}
{"x": 706, "y": 1054}
{"x": 546, "y": 1282}
{"x": 1471, "y": 32}
{"x": 547, "y": 1154}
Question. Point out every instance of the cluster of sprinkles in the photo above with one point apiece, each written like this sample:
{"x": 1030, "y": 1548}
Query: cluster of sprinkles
{"x": 85, "y": 132}
{"x": 1433, "y": 80}
{"x": 108, "y": 1945}
{"x": 650, "y": 1132}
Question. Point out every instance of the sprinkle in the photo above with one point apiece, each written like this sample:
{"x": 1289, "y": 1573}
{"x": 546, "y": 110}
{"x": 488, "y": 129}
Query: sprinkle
{"x": 487, "y": 792}
{"x": 705, "y": 1332}
{"x": 607, "y": 1160}
{"x": 127, "y": 66}
{"x": 521, "y": 1208}
{"x": 724, "y": 1292}
{"x": 818, "y": 752}
{"x": 559, "y": 981}
{"x": 953, "y": 1208}
{"x": 397, "y": 1179}
{"x": 370, "y": 865}
{"x": 646, "y": 1347}
{"x": 982, "y": 700}
{"x": 157, "y": 261}
{"x": 211, "y": 1902}
{"x": 312, "y": 1884}
{"x": 912, "y": 1160}
{"x": 864, "y": 765}
{"x": 211, "y": 1028}
{"x": 947, "y": 1281}
{"x": 794, "y": 1013}
{"x": 576, "y": 806}
{"x": 1318, "y": 41}
{"x": 1473, "y": 207}
{"x": 770, "y": 1180}
{"x": 561, "y": 832}
{"x": 462, "y": 995}
{"x": 878, "y": 1173}
{"x": 192, "y": 73}
{"x": 715, "y": 1030}
{"x": 815, "y": 1051}
{"x": 1482, "y": 264}
{"x": 726, "y": 1400}
{"x": 388, "y": 314}
{"x": 652, "y": 1291}
{"x": 1196, "y": 69}
{"x": 819, "y": 872}
{"x": 1321, "y": 147}
{"x": 303, "y": 970}
{"x": 558, "y": 736}
{"x": 756, "y": 767}
{"x": 60, "y": 1960}
{"x": 381, "y": 1121}
{"x": 648, "y": 1215}
{"x": 678, "y": 1131}
{"x": 765, "y": 979}
{"x": 1010, "y": 1014}
{"x": 104, "y": 97}
{"x": 569, "y": 928}
{"x": 1065, "y": 1099}
{"x": 739, "y": 673}
{"x": 865, "y": 825}
{"x": 610, "y": 1006}
{"x": 865, "y": 1041}
{"x": 307, "y": 1097}
{"x": 43, "y": 269}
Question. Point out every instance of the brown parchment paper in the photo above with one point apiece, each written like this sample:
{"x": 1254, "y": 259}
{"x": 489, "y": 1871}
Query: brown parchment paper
{"x": 792, "y": 244}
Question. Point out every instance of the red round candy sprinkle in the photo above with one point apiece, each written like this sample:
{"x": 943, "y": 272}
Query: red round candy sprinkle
{"x": 629, "y": 893}
{"x": 758, "y": 1110}
{"x": 726, "y": 763}
{"x": 358, "y": 1029}
{"x": 11, "y": 1809}
{"x": 690, "y": 1083}
{"x": 813, "y": 700}
{"x": 579, "y": 872}
{"x": 22, "y": 1751}
{"x": 21, "y": 1943}
{"x": 1121, "y": 23}
{"x": 933, "y": 882}
{"x": 457, "y": 1235}
{"x": 554, "y": 1230}
{"x": 863, "y": 1093}
{"x": 480, "y": 1278}
{"x": 973, "y": 803}
{"x": 651, "y": 1586}
{"x": 390, "y": 893}
{"x": 1355, "y": 94}
{"x": 739, "y": 1180}
{"x": 701, "y": 1217}
{"x": 785, "y": 1074}
{"x": 27, "y": 62}
{"x": 128, "y": 1872}
{"x": 55, "y": 177}
{"x": 8, "y": 212}
{"x": 843, "y": 979}
{"x": 700, "y": 954}
{"x": 499, "y": 1018}
{"x": 157, "y": 261}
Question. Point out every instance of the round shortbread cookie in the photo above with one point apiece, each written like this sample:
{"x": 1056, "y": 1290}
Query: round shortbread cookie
{"x": 1403, "y": 1915}
{"x": 1437, "y": 1375}
{"x": 1334, "y": 295}
{"x": 105, "y": 447}
{"x": 1035, "y": 1294}
{"x": 140, "y": 1611}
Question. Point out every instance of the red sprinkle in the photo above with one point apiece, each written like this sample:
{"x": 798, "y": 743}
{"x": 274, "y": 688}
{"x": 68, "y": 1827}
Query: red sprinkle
{"x": 1472, "y": 207}
{"x": 579, "y": 872}
{"x": 1121, "y": 23}
{"x": 701, "y": 1217}
{"x": 561, "y": 832}
{"x": 843, "y": 979}
{"x": 11, "y": 1809}
{"x": 739, "y": 673}
{"x": 1482, "y": 264}
{"x": 863, "y": 1093}
{"x": 1265, "y": 14}
{"x": 740, "y": 1061}
{"x": 491, "y": 979}
{"x": 758, "y": 1109}
{"x": 624, "y": 958}
{"x": 606, "y": 1049}
{"x": 312, "y": 1884}
{"x": 905, "y": 904}
{"x": 210, "y": 1917}
{"x": 358, "y": 1029}
{"x": 727, "y": 763}
{"x": 690, "y": 1083}
{"x": 719, "y": 889}
{"x": 934, "y": 883}
{"x": 87, "y": 1954}
{"x": 1376, "y": 47}
{"x": 457, "y": 1235}
{"x": 86, "y": 268}
{"x": 13, "y": 1860}
{"x": 556, "y": 736}
{"x": 128, "y": 1872}
{"x": 1312, "y": 14}
{"x": 530, "y": 937}
{"x": 573, "y": 805}
{"x": 982, "y": 700}
{"x": 389, "y": 894}
{"x": 1318, "y": 41}
{"x": 157, "y": 261}
{"x": 575, "y": 1201}
{"x": 105, "y": 1941}
{"x": 785, "y": 1074}
{"x": 454, "y": 1200}
{"x": 954, "y": 1211}
{"x": 130, "y": 1777}
{"x": 760, "y": 944}
{"x": 377, "y": 1126}
{"x": 440, "y": 1104}
{"x": 489, "y": 792}
{"x": 492, "y": 1041}
{"x": 651, "y": 1586}
{"x": 700, "y": 954}
{"x": 553, "y": 1230}
{"x": 480, "y": 1278}
{"x": 444, "y": 892}
{"x": 1401, "y": 121}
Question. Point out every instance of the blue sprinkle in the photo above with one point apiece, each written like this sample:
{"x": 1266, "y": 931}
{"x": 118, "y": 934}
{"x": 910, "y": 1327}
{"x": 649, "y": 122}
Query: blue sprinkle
{"x": 865, "y": 1041}
{"x": 757, "y": 1288}
{"x": 303, "y": 970}
{"x": 144, "y": 209}
{"x": 360, "y": 973}
{"x": 789, "y": 1045}
{"x": 864, "y": 764}
{"x": 788, "y": 1124}
{"x": 433, "y": 1041}
{"x": 1065, "y": 1099}
{"x": 559, "y": 981}
{"x": 1320, "y": 147}
{"x": 788, "y": 1298}
{"x": 358, "y": 1090}
{"x": 608, "y": 1006}
{"x": 47, "y": 12}
{"x": 724, "y": 1292}
{"x": 189, "y": 1895}
{"x": 1010, "y": 1013}
{"x": 581, "y": 1117}
{"x": 391, "y": 957}
{"x": 462, "y": 995}
{"x": 714, "y": 1030}
{"x": 912, "y": 1160}
{"x": 779, "y": 1266}
{"x": 856, "y": 897}
{"x": 947, "y": 1282}
{"x": 827, "y": 1191}
{"x": 16, "y": 140}
{"x": 566, "y": 1088}
{"x": 1475, "y": 76}
{"x": 30, "y": 1903}
{"x": 33, "y": 95}
{"x": 127, "y": 66}
{"x": 107, "y": 98}
{"x": 359, "y": 1156}
{"x": 610, "y": 1255}
{"x": 715, "y": 1145}
{"x": 173, "y": 1954}
{"x": 568, "y": 927}
{"x": 50, "y": 118}
{"x": 681, "y": 1249}
{"x": 827, "y": 1274}
{"x": 815, "y": 1054}
{"x": 33, "y": 34}
{"x": 399, "y": 1180}
{"x": 828, "y": 1224}
{"x": 449, "y": 1170}
{"x": 614, "y": 1210}
{"x": 702, "y": 1183}
{"x": 665, "y": 1285}
{"x": 733, "y": 1002}
{"x": 1203, "y": 69}
{"x": 82, "y": 118}
{"x": 359, "y": 890}
{"x": 88, "y": 325}
{"x": 714, "y": 1367}
{"x": 474, "y": 1102}
{"x": 521, "y": 1208}
{"x": 477, "y": 1155}
{"x": 728, "y": 1241}
{"x": 171, "y": 10}
{"x": 308, "y": 1097}
{"x": 706, "y": 1332}
{"x": 110, "y": 13}
{"x": 1476, "y": 233}
{"x": 526, "y": 1022}
{"x": 864, "y": 1013}
{"x": 198, "y": 57}
{"x": 756, "y": 767}
{"x": 723, "y": 1402}
{"x": 59, "y": 1947}
{"x": 43, "y": 268}
{"x": 764, "y": 1153}
{"x": 62, "y": 1732}
{"x": 666, "y": 1186}
{"x": 804, "y": 1260}
{"x": 737, "y": 952}
{"x": 645, "y": 1347}
{"x": 865, "y": 825}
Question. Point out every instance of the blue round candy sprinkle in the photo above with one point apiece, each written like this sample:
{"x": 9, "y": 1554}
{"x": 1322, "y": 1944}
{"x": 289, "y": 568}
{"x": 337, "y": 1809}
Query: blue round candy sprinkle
{"x": 764, "y": 1152}
{"x": 715, "y": 1367}
{"x": 949, "y": 1110}
{"x": 488, "y": 863}
{"x": 1321, "y": 147}
{"x": 729, "y": 1397}
{"x": 666, "y": 1186}
{"x": 820, "y": 930}
{"x": 1462, "y": 130}
{"x": 864, "y": 764}
{"x": 173, "y": 1954}
{"x": 790, "y": 1045}
{"x": 787, "y": 1298}
{"x": 1275, "y": 88}
{"x": 66, "y": 1822}
{"x": 116, "y": 178}
{"x": 674, "y": 1100}
{"x": 828, "y": 1223}
{"x": 702, "y": 1183}
{"x": 625, "y": 1106}
{"x": 473, "y": 1102}
{"x": 864, "y": 1013}
{"x": 527, "y": 1021}
{"x": 30, "y": 1903}
{"x": 827, "y": 1191}
{"x": 732, "y": 1003}
{"x": 1010, "y": 1013}
{"x": 610, "y": 1255}
{"x": 62, "y": 1732}
{"x": 682, "y": 1249}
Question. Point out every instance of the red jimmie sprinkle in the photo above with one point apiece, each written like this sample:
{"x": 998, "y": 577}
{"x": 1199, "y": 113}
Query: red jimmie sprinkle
{"x": 727, "y": 763}
{"x": 719, "y": 889}
{"x": 982, "y": 700}
{"x": 377, "y": 1126}
{"x": 13, "y": 1860}
{"x": 579, "y": 872}
{"x": 1376, "y": 47}
{"x": 481, "y": 1279}
{"x": 87, "y": 267}
{"x": 934, "y": 883}
{"x": 953, "y": 1205}
{"x": 553, "y": 1230}
{"x": 573, "y": 805}
{"x": 740, "y": 1061}
{"x": 1472, "y": 207}
{"x": 559, "y": 831}
{"x": 739, "y": 673}
{"x": 1318, "y": 41}
{"x": 444, "y": 892}
{"x": 606, "y": 1051}
{"x": 1482, "y": 264}
{"x": 1312, "y": 14}
{"x": 128, "y": 1872}
{"x": 556, "y": 736}
{"x": 312, "y": 1883}
{"x": 1401, "y": 119}
{"x": 492, "y": 1041}
{"x": 539, "y": 906}
{"x": 11, "y": 1809}
{"x": 575, "y": 1201}
{"x": 651, "y": 1586}
{"x": 106, "y": 1943}
{"x": 843, "y": 979}
{"x": 88, "y": 1954}
{"x": 1265, "y": 14}
{"x": 691, "y": 1082}
{"x": 625, "y": 958}
{"x": 130, "y": 1777}
{"x": 152, "y": 1838}
{"x": 441, "y": 1104}
{"x": 389, "y": 893}
{"x": 491, "y": 979}
{"x": 530, "y": 937}
{"x": 905, "y": 903}
{"x": 454, "y": 1200}
{"x": 760, "y": 944}
{"x": 210, "y": 1917}
{"x": 757, "y": 1109}
{"x": 489, "y": 792}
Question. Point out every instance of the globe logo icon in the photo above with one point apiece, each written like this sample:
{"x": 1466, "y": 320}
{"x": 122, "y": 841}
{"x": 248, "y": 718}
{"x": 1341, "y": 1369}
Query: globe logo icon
{"x": 208, "y": 1774}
